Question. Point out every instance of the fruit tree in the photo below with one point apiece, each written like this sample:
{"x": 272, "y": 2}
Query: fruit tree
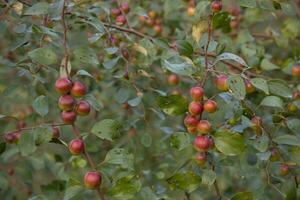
{"x": 151, "y": 100}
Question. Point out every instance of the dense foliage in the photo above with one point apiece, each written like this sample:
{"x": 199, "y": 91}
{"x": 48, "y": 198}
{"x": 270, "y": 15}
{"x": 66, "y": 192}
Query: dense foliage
{"x": 140, "y": 99}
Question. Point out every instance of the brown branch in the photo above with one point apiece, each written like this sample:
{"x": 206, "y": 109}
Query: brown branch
{"x": 63, "y": 22}
{"x": 34, "y": 127}
{"x": 88, "y": 158}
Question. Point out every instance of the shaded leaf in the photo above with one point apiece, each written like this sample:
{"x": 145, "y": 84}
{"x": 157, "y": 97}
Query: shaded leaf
{"x": 108, "y": 129}
{"x": 172, "y": 104}
{"x": 229, "y": 143}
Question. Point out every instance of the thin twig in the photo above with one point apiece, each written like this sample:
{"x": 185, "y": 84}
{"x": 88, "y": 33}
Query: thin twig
{"x": 34, "y": 127}
{"x": 205, "y": 54}
{"x": 216, "y": 185}
{"x": 63, "y": 22}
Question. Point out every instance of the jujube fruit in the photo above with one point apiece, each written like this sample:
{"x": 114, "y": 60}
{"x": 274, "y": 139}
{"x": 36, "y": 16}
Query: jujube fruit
{"x": 66, "y": 102}
{"x": 68, "y": 117}
{"x": 83, "y": 108}
{"x": 63, "y": 85}
{"x": 216, "y": 6}
{"x": 78, "y": 89}
{"x": 195, "y": 108}
{"x": 202, "y": 143}
{"x": 196, "y": 93}
{"x": 210, "y": 106}
{"x": 76, "y": 146}
{"x": 204, "y": 126}
{"x": 92, "y": 180}
{"x": 221, "y": 83}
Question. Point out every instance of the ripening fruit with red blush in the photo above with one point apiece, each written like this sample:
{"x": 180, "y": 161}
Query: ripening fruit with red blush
{"x": 296, "y": 71}
{"x": 202, "y": 143}
{"x": 125, "y": 7}
{"x": 121, "y": 20}
{"x": 216, "y": 6}
{"x": 249, "y": 87}
{"x": 115, "y": 12}
{"x": 190, "y": 121}
{"x": 296, "y": 95}
{"x": 83, "y": 108}
{"x": 10, "y": 138}
{"x": 234, "y": 23}
{"x": 21, "y": 124}
{"x": 78, "y": 89}
{"x": 63, "y": 85}
{"x": 191, "y": 11}
{"x": 173, "y": 79}
{"x": 234, "y": 11}
{"x": 76, "y": 146}
{"x": 275, "y": 155}
{"x": 68, "y": 117}
{"x": 204, "y": 126}
{"x": 66, "y": 102}
{"x": 192, "y": 130}
{"x": 210, "y": 106}
{"x": 283, "y": 169}
{"x": 221, "y": 82}
{"x": 195, "y": 108}
{"x": 55, "y": 132}
{"x": 92, "y": 180}
{"x": 196, "y": 93}
{"x": 201, "y": 158}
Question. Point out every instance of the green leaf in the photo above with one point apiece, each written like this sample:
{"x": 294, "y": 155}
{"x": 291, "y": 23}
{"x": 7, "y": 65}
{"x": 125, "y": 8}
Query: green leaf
{"x": 287, "y": 139}
{"x": 288, "y": 9}
{"x": 119, "y": 156}
{"x": 96, "y": 24}
{"x": 44, "y": 56}
{"x": 237, "y": 86}
{"x": 243, "y": 196}
{"x": 2, "y": 147}
{"x": 82, "y": 72}
{"x": 261, "y": 143}
{"x": 93, "y": 102}
{"x": 289, "y": 189}
{"x": 184, "y": 48}
{"x": 109, "y": 64}
{"x": 126, "y": 187}
{"x": 41, "y": 105}
{"x": 122, "y": 95}
{"x": 172, "y": 104}
{"x": 230, "y": 56}
{"x": 280, "y": 88}
{"x": 73, "y": 191}
{"x": 187, "y": 181}
{"x": 27, "y": 144}
{"x": 261, "y": 84}
{"x": 267, "y": 65}
{"x": 86, "y": 55}
{"x": 180, "y": 65}
{"x": 135, "y": 101}
{"x": 37, "y": 9}
{"x": 148, "y": 194}
{"x": 108, "y": 129}
{"x": 180, "y": 140}
{"x": 229, "y": 143}
{"x": 222, "y": 20}
{"x": 208, "y": 177}
{"x": 293, "y": 125}
{"x": 42, "y": 134}
{"x": 272, "y": 101}
{"x": 247, "y": 3}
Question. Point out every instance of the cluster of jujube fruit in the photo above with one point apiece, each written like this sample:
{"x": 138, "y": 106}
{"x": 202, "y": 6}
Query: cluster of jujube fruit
{"x": 70, "y": 109}
{"x": 152, "y": 20}
{"x": 118, "y": 13}
{"x": 67, "y": 103}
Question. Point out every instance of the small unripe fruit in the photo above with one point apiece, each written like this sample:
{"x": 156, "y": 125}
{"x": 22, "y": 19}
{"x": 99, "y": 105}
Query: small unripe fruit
{"x": 125, "y": 54}
{"x": 190, "y": 121}
{"x": 292, "y": 108}
{"x": 83, "y": 108}
{"x": 232, "y": 122}
{"x": 68, "y": 117}
{"x": 191, "y": 11}
{"x": 221, "y": 82}
{"x": 76, "y": 146}
{"x": 125, "y": 7}
{"x": 210, "y": 106}
{"x": 216, "y": 6}
{"x": 202, "y": 143}
{"x": 192, "y": 130}
{"x": 249, "y": 87}
{"x": 296, "y": 95}
{"x": 121, "y": 20}
{"x": 173, "y": 79}
{"x": 204, "y": 126}
{"x": 196, "y": 93}
{"x": 296, "y": 71}
{"x": 115, "y": 12}
{"x": 234, "y": 11}
{"x": 201, "y": 158}
{"x": 63, "y": 85}
{"x": 152, "y": 14}
{"x": 66, "y": 102}
{"x": 78, "y": 89}
{"x": 55, "y": 132}
{"x": 142, "y": 18}
{"x": 283, "y": 169}
{"x": 157, "y": 29}
{"x": 92, "y": 180}
{"x": 195, "y": 108}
